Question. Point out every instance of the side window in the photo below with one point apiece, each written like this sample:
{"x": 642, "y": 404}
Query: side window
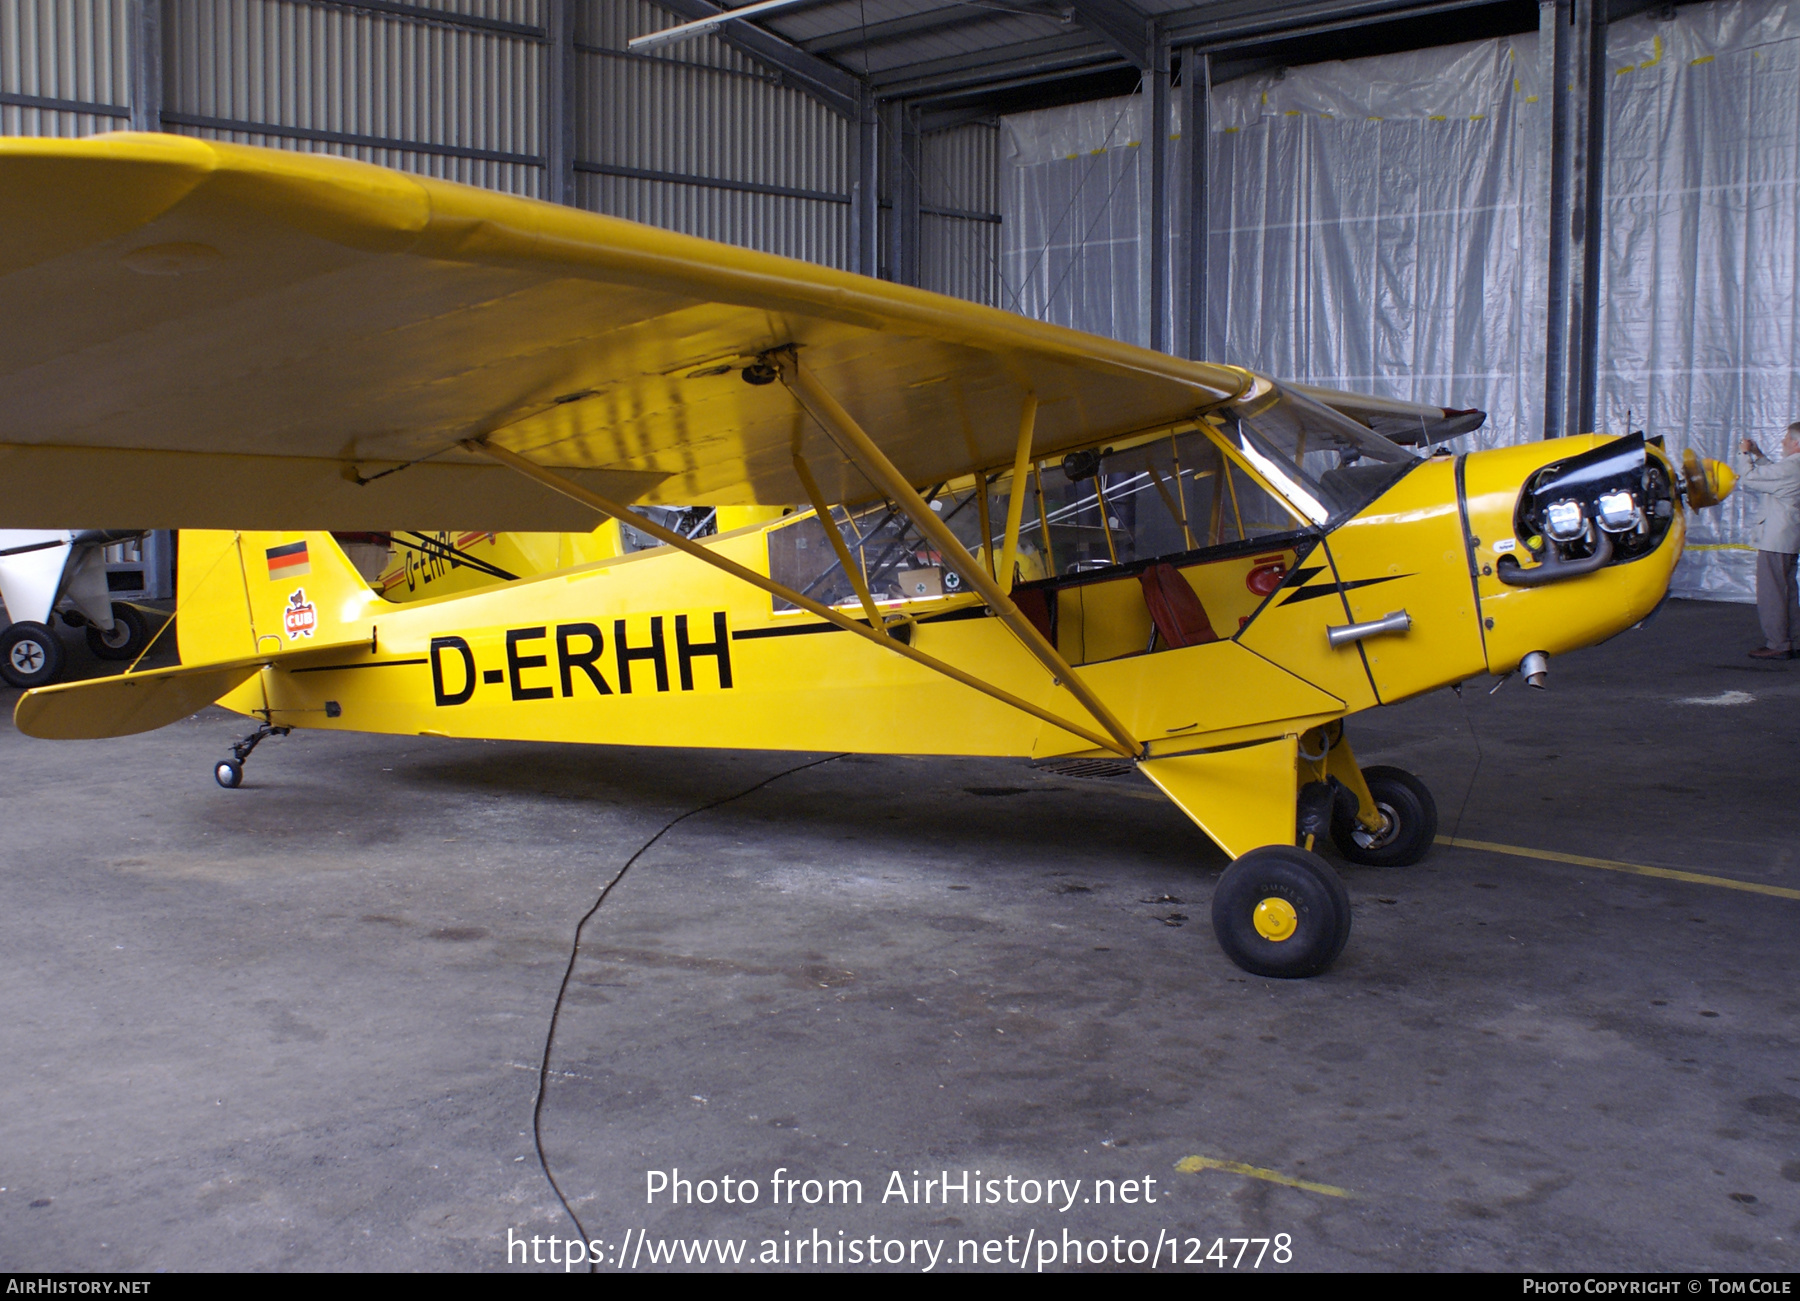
{"x": 897, "y": 562}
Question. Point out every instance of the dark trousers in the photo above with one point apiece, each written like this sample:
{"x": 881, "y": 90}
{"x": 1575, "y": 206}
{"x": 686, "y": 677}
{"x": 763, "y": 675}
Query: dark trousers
{"x": 1778, "y": 600}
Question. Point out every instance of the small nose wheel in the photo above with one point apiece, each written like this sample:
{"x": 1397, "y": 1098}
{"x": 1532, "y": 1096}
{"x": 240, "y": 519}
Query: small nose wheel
{"x": 229, "y": 773}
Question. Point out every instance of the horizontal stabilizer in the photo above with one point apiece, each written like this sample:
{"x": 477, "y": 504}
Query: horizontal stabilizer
{"x": 141, "y": 702}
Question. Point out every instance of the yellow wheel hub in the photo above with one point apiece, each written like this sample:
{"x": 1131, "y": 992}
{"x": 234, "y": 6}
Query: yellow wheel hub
{"x": 1275, "y": 919}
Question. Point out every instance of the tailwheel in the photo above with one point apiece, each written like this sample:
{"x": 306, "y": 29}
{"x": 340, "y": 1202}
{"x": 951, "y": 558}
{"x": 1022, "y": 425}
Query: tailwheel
{"x": 229, "y": 773}
{"x": 1281, "y": 911}
{"x": 1409, "y": 821}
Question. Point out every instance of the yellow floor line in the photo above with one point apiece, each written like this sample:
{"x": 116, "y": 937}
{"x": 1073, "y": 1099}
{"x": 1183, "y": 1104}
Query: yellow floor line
{"x": 1192, "y": 1165}
{"x": 1636, "y": 869}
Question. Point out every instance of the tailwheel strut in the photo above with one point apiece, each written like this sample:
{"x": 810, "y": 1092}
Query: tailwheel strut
{"x": 229, "y": 773}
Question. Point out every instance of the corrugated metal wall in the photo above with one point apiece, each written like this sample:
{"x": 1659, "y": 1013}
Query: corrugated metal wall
{"x": 701, "y": 139}
{"x": 459, "y": 97}
{"x": 959, "y": 207}
{"x": 698, "y": 138}
{"x": 60, "y": 61}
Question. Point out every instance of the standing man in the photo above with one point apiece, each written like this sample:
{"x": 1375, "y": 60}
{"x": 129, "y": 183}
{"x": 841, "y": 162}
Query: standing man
{"x": 1777, "y": 544}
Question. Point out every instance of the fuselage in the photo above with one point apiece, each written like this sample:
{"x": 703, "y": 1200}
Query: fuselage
{"x": 657, "y": 648}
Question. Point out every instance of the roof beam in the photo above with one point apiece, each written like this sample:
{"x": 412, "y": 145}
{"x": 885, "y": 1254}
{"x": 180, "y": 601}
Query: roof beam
{"x": 933, "y": 20}
{"x": 824, "y": 81}
{"x": 979, "y": 67}
{"x": 950, "y": 119}
{"x": 1122, "y": 24}
{"x": 1232, "y": 23}
{"x": 894, "y": 29}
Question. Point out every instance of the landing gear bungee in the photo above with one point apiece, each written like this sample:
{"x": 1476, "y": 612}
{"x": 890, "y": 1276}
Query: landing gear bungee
{"x": 229, "y": 773}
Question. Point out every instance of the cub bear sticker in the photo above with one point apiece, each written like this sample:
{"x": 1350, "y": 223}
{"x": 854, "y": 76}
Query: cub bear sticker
{"x": 300, "y": 618}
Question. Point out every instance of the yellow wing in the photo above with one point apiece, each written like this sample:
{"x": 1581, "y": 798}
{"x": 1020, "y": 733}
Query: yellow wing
{"x": 211, "y": 335}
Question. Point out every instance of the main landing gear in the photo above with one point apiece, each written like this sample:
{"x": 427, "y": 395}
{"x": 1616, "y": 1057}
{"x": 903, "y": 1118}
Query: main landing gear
{"x": 1409, "y": 821}
{"x": 1282, "y": 910}
{"x": 229, "y": 773}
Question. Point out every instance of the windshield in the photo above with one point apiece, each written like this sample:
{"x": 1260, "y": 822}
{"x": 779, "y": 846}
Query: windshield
{"x": 1325, "y": 464}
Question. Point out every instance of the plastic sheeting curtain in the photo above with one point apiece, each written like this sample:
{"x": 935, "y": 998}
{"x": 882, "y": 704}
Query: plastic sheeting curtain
{"x": 1700, "y": 319}
{"x": 1381, "y": 225}
{"x": 1075, "y": 208}
{"x": 1374, "y": 225}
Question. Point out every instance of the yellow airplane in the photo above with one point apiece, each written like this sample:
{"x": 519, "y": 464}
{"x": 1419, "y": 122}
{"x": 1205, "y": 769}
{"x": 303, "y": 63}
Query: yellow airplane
{"x": 1013, "y": 539}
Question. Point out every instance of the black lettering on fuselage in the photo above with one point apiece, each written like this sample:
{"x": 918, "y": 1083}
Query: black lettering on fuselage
{"x": 686, "y": 652}
{"x": 567, "y": 661}
{"x": 516, "y": 664}
{"x": 579, "y": 647}
{"x": 438, "y": 646}
{"x": 624, "y": 654}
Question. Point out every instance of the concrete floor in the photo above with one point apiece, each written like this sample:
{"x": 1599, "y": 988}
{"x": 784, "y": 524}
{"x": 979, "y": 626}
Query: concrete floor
{"x": 298, "y": 1025}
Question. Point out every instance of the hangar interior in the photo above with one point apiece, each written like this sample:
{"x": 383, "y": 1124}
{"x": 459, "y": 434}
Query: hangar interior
{"x": 306, "y": 1029}
{"x": 1572, "y": 217}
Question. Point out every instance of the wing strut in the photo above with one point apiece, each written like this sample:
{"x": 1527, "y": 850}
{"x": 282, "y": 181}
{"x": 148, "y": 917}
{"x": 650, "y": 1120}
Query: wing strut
{"x": 622, "y": 513}
{"x": 1015, "y": 500}
{"x": 835, "y": 536}
{"x": 866, "y": 456}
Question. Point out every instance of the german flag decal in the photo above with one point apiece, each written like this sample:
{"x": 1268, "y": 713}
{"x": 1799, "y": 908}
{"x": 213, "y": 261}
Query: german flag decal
{"x": 288, "y": 562}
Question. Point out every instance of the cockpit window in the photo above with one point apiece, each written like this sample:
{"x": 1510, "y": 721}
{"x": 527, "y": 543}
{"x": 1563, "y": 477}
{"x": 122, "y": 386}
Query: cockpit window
{"x": 1326, "y": 465}
{"x": 1174, "y": 494}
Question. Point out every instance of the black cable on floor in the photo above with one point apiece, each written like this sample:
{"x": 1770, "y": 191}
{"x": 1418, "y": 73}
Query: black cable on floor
{"x": 537, "y": 1107}
{"x": 1469, "y": 722}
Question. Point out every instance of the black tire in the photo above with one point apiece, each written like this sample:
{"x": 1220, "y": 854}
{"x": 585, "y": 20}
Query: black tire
{"x": 1411, "y": 816}
{"x": 126, "y": 640}
{"x": 30, "y": 655}
{"x": 229, "y": 773}
{"x": 1293, "y": 888}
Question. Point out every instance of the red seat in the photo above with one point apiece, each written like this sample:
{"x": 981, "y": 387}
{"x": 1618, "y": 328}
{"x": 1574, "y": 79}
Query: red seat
{"x": 1179, "y": 617}
{"x": 1037, "y": 605}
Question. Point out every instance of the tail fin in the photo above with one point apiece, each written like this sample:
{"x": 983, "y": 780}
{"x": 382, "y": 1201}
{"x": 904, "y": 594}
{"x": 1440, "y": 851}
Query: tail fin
{"x": 247, "y": 594}
{"x": 242, "y": 600}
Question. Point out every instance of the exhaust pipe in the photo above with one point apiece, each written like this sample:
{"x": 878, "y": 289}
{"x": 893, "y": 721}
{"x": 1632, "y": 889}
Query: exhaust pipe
{"x": 1555, "y": 570}
{"x": 1398, "y": 621}
{"x": 1535, "y": 667}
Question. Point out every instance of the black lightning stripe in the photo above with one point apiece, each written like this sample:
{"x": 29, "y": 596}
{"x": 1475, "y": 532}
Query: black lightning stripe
{"x": 1332, "y": 589}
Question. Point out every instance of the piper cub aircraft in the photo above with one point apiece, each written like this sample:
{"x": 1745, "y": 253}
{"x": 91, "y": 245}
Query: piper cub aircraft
{"x": 1010, "y": 539}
